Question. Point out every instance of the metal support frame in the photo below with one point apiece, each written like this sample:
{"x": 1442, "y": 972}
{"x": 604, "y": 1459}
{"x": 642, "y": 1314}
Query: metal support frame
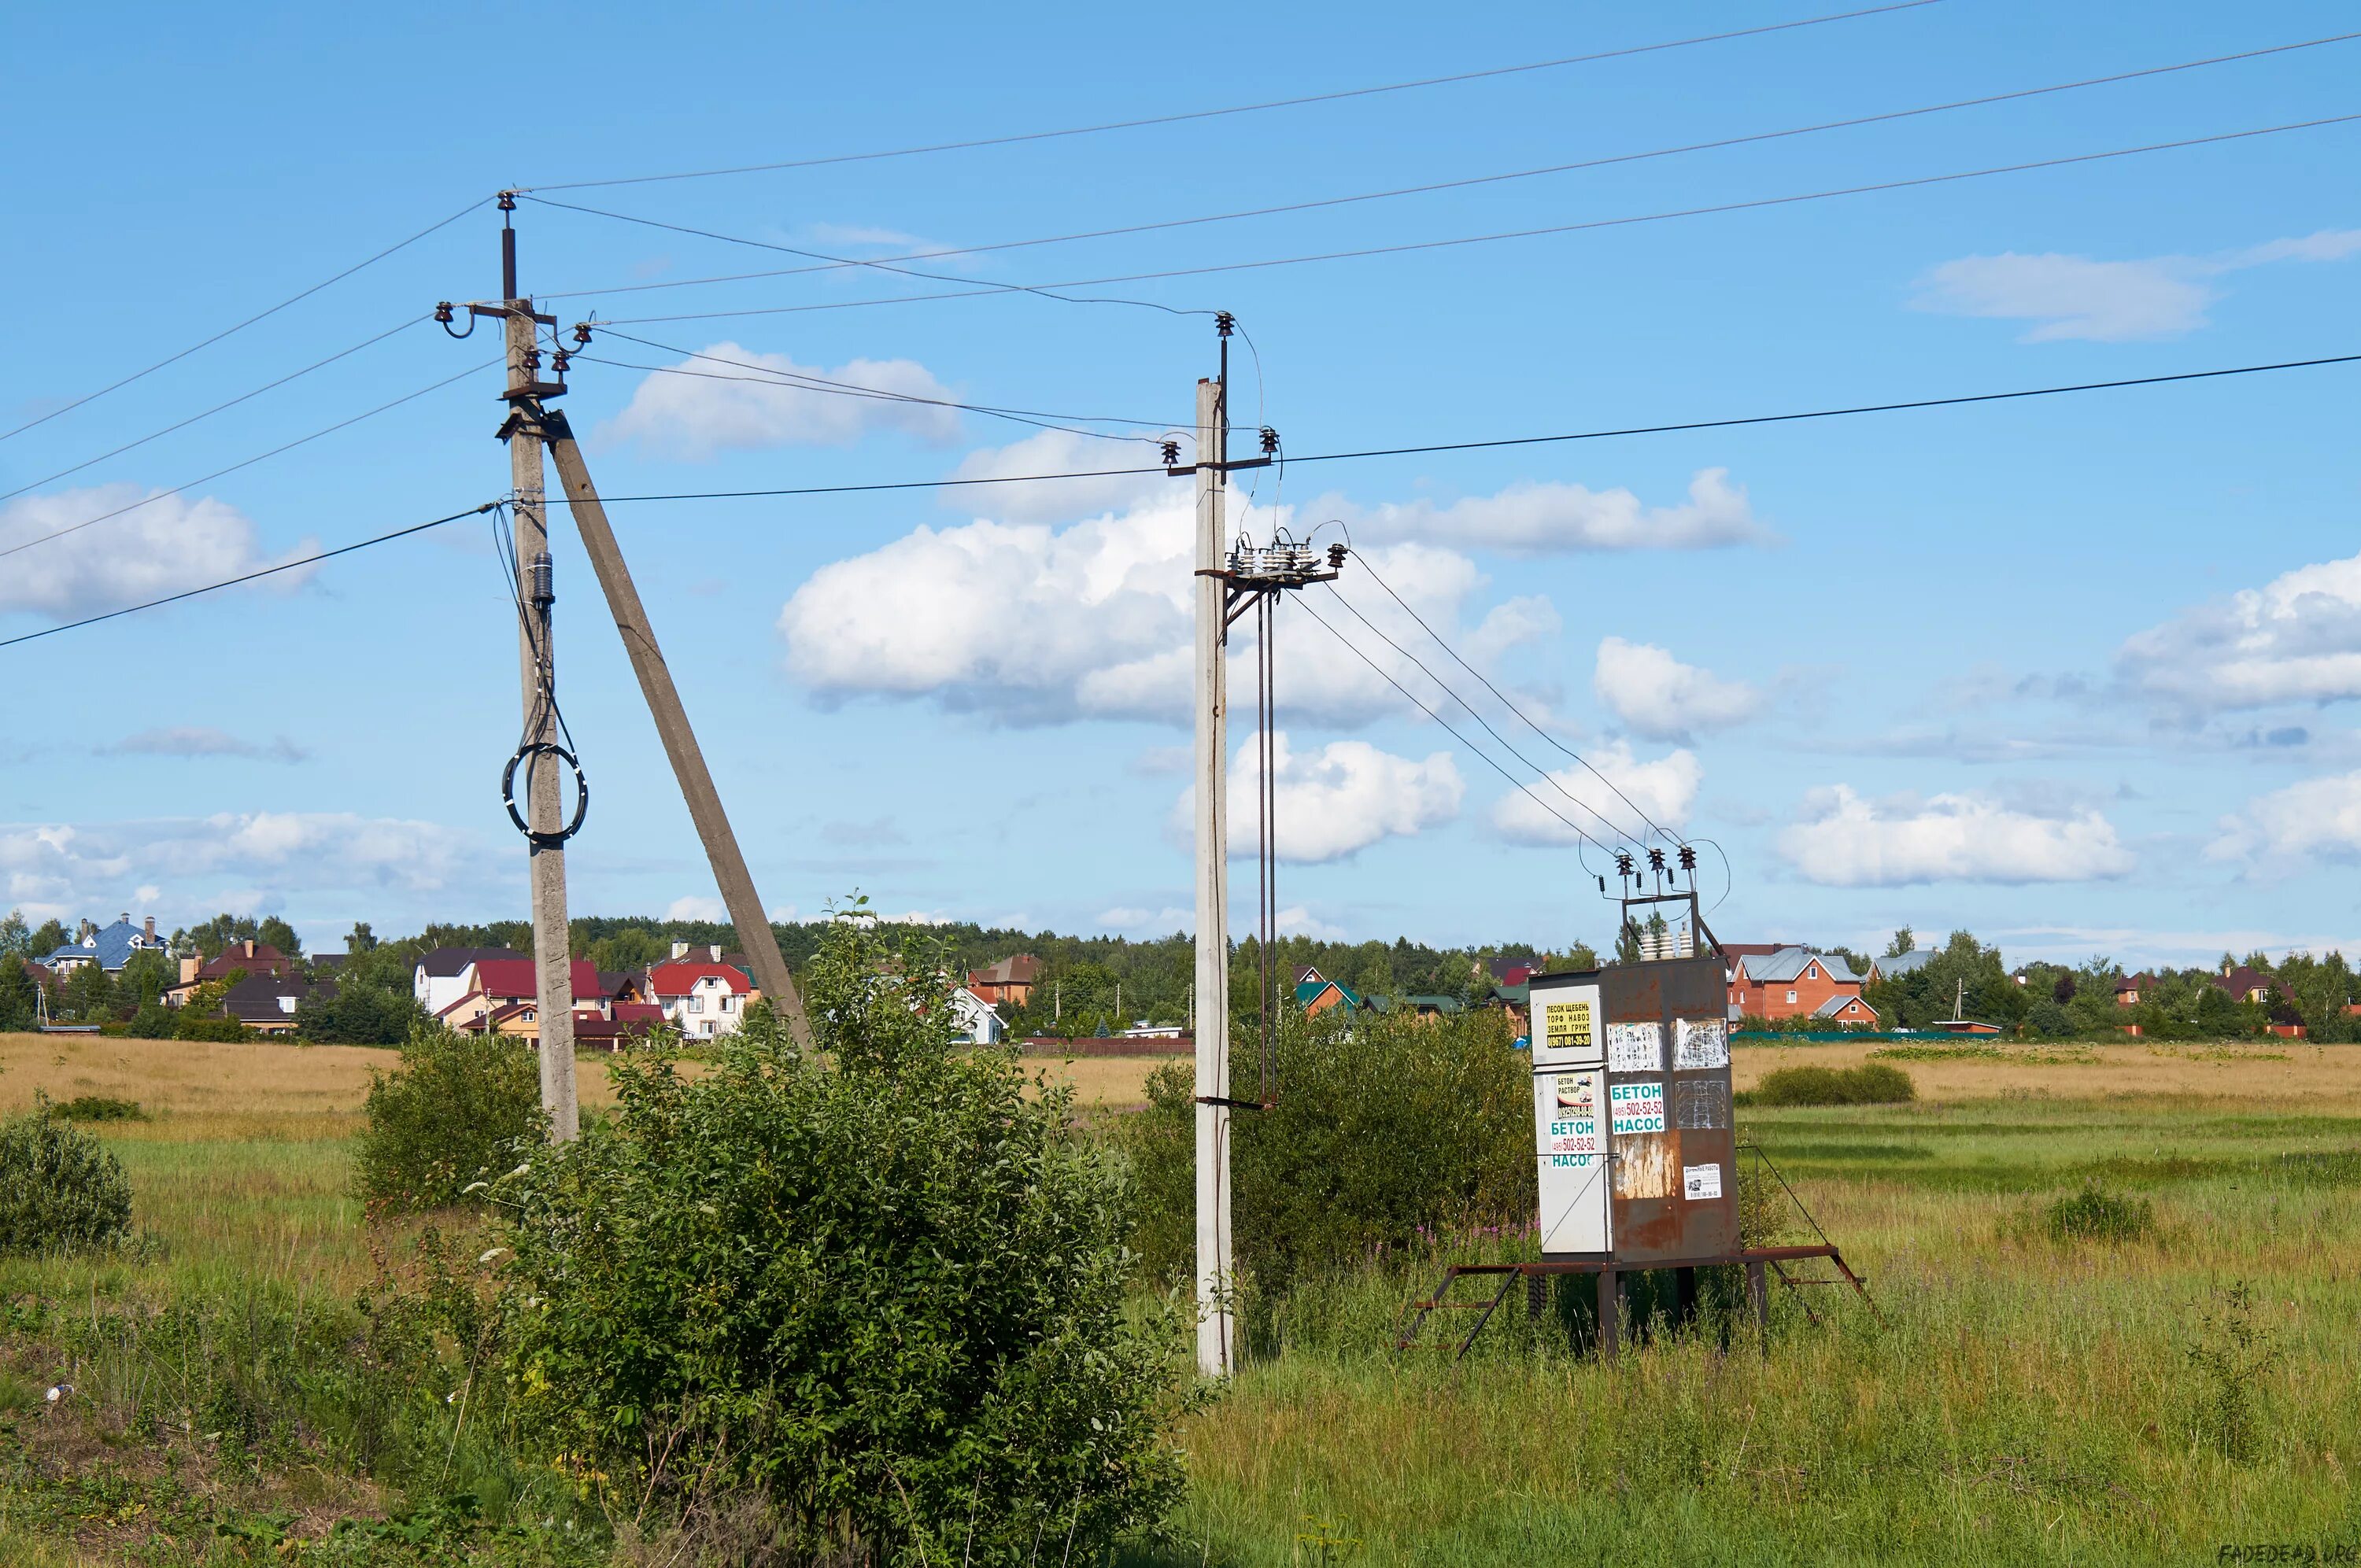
{"x": 1609, "y": 1273}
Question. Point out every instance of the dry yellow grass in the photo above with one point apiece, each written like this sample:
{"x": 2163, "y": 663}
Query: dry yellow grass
{"x": 1114, "y": 1083}
{"x": 2280, "y": 1075}
{"x": 271, "y": 1091}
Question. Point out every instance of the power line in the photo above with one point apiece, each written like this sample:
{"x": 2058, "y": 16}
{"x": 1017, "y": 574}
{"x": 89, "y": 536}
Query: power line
{"x": 1235, "y": 109}
{"x": 260, "y": 315}
{"x": 217, "y": 408}
{"x": 243, "y": 463}
{"x": 1408, "y": 246}
{"x": 1543, "y": 773}
{"x": 250, "y": 576}
{"x": 841, "y": 261}
{"x": 1333, "y": 456}
{"x": 1447, "y": 729}
{"x": 803, "y": 381}
{"x": 1478, "y": 180}
{"x": 1524, "y": 440}
{"x": 1504, "y": 701}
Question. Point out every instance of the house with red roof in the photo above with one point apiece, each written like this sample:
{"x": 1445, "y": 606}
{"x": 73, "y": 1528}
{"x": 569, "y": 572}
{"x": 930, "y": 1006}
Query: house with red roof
{"x": 1011, "y": 980}
{"x": 701, "y": 1000}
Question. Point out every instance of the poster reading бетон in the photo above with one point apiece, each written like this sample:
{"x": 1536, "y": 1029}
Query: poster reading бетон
{"x": 1570, "y": 1115}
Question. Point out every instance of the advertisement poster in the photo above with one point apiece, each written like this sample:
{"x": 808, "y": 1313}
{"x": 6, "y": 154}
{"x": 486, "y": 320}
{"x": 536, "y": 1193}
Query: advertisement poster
{"x": 1569, "y": 1135}
{"x": 1636, "y": 1108}
{"x": 1635, "y": 1047}
{"x": 1700, "y": 1043}
{"x": 1565, "y": 1026}
{"x": 1700, "y": 1181}
{"x": 1574, "y": 1125}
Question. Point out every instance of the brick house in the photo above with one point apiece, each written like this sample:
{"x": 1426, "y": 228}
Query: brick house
{"x": 1796, "y": 982}
{"x": 1010, "y": 981}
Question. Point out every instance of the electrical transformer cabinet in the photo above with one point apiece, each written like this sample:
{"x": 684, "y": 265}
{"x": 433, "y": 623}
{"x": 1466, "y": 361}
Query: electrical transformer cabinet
{"x": 1632, "y": 1119}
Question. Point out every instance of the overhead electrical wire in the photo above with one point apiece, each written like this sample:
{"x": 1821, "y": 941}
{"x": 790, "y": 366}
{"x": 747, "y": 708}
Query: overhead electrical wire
{"x": 803, "y": 381}
{"x": 250, "y": 576}
{"x": 1454, "y": 734}
{"x": 1904, "y": 406}
{"x": 1461, "y": 183}
{"x": 834, "y": 261}
{"x": 217, "y": 408}
{"x": 241, "y": 327}
{"x": 243, "y": 463}
{"x": 1342, "y": 93}
{"x": 1363, "y": 561}
{"x": 1448, "y": 690}
{"x": 1408, "y": 246}
{"x": 1333, "y": 457}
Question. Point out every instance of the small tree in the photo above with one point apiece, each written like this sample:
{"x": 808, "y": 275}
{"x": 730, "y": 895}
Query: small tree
{"x": 883, "y": 1295}
{"x": 90, "y": 992}
{"x": 358, "y": 1014}
{"x": 60, "y": 1188}
{"x": 454, "y": 1113}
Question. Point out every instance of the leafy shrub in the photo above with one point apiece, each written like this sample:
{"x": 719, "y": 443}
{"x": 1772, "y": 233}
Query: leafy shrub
{"x": 878, "y": 1296}
{"x": 452, "y": 1115}
{"x": 1871, "y": 1083}
{"x": 359, "y": 1015}
{"x": 195, "y": 1025}
{"x": 1386, "y": 1128}
{"x": 2098, "y": 1215}
{"x": 60, "y": 1188}
{"x": 98, "y": 1108}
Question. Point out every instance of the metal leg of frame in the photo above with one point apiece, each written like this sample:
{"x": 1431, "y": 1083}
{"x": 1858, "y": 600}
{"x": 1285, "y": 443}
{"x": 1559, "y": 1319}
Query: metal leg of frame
{"x": 1610, "y": 1327}
{"x": 1758, "y": 1295}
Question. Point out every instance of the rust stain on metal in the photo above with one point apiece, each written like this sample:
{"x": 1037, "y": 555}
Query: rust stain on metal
{"x": 1648, "y": 1166}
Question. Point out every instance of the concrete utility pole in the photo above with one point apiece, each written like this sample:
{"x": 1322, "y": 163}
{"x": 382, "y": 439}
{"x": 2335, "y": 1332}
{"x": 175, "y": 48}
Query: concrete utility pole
{"x": 730, "y": 872}
{"x": 1215, "y": 1327}
{"x": 552, "y": 965}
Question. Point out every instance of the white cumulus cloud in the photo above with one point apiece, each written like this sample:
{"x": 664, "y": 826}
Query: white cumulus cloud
{"x": 735, "y": 399}
{"x": 1337, "y": 800}
{"x": 1843, "y": 840}
{"x": 1657, "y": 695}
{"x": 1017, "y": 499}
{"x": 241, "y": 860}
{"x": 157, "y": 548}
{"x": 2107, "y": 301}
{"x": 1621, "y": 798}
{"x": 1029, "y": 624}
{"x": 2313, "y": 819}
{"x": 697, "y": 906}
{"x": 2296, "y": 639}
{"x": 1543, "y": 519}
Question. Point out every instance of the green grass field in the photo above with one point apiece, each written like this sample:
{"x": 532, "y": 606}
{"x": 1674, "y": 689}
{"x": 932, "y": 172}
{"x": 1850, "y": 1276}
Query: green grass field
{"x": 2027, "y": 1398}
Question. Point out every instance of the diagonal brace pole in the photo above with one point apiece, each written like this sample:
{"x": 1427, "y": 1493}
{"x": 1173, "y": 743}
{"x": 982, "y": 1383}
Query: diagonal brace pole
{"x": 688, "y": 767}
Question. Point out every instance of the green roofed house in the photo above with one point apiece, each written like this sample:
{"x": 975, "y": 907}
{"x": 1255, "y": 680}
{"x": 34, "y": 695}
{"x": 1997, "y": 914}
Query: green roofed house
{"x": 1315, "y": 993}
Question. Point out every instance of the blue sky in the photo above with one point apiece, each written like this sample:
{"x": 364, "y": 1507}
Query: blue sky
{"x": 2077, "y": 673}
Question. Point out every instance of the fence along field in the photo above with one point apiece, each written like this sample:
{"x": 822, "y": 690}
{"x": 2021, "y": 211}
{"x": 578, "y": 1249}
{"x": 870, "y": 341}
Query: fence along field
{"x": 2043, "y": 1391}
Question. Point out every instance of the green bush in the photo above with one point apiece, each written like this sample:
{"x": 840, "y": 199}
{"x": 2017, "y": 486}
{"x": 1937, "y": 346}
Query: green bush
{"x": 1386, "y": 1130}
{"x": 452, "y": 1115}
{"x": 60, "y": 1188}
{"x": 195, "y": 1025}
{"x": 359, "y": 1015}
{"x": 880, "y": 1296}
{"x": 1871, "y": 1083}
{"x": 2096, "y": 1214}
{"x": 98, "y": 1108}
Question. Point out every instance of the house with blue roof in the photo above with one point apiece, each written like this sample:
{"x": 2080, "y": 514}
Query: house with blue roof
{"x": 108, "y": 946}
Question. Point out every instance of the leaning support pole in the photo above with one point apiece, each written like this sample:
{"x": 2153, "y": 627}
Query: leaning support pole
{"x": 1216, "y": 1337}
{"x": 729, "y": 871}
